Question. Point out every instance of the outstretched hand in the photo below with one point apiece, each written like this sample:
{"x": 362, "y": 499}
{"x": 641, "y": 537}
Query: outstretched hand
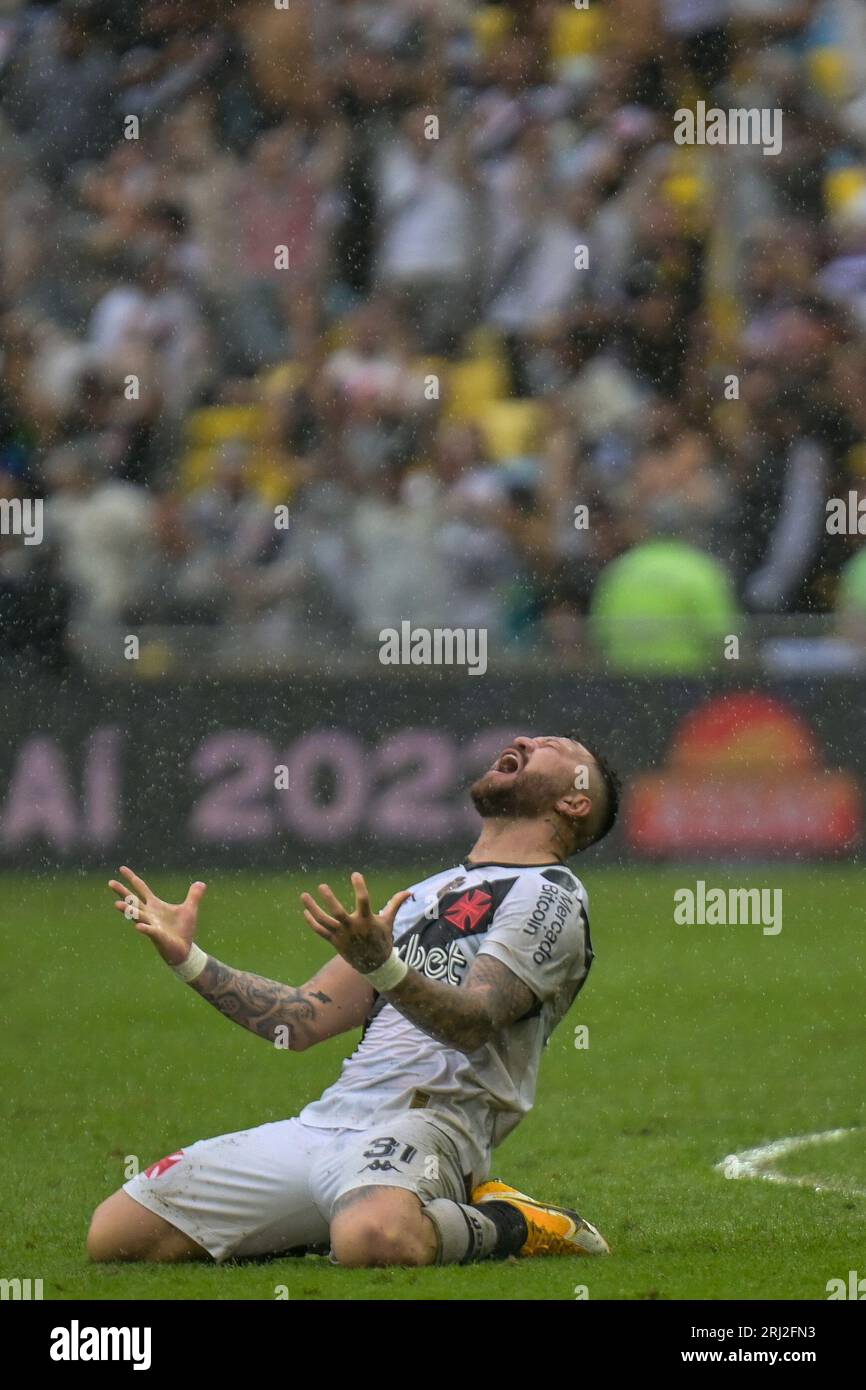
{"x": 362, "y": 937}
{"x": 170, "y": 926}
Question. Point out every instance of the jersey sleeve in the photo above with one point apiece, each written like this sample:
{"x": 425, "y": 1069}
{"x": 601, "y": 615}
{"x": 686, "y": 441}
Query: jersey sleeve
{"x": 540, "y": 934}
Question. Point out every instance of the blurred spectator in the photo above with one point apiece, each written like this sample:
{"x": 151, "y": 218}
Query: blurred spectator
{"x": 675, "y": 485}
{"x": 377, "y": 390}
{"x": 154, "y": 315}
{"x": 428, "y": 227}
{"x": 102, "y": 531}
{"x": 34, "y": 601}
{"x": 59, "y": 88}
{"x": 229, "y": 529}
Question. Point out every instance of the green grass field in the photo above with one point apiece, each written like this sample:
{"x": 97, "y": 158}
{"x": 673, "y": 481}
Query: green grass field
{"x": 703, "y": 1041}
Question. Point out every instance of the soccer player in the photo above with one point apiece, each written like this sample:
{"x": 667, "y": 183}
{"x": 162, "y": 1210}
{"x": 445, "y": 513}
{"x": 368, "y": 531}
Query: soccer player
{"x": 458, "y": 983}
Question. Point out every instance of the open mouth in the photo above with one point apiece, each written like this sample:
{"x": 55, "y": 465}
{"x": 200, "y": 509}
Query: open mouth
{"x": 510, "y": 761}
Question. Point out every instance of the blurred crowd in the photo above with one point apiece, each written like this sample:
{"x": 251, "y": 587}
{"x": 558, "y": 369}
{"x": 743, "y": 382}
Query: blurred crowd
{"x": 319, "y": 317}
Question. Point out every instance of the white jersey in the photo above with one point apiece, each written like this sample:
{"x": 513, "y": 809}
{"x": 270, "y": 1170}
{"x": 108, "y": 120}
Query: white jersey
{"x": 535, "y": 920}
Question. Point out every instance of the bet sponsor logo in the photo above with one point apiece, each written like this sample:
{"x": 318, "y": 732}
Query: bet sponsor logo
{"x": 436, "y": 962}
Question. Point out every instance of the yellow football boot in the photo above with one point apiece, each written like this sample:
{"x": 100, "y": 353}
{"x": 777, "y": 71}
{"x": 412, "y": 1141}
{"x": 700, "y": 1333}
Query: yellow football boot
{"x": 551, "y": 1230}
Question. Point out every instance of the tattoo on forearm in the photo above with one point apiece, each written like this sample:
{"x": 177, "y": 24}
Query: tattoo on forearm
{"x": 259, "y": 1004}
{"x": 464, "y": 1016}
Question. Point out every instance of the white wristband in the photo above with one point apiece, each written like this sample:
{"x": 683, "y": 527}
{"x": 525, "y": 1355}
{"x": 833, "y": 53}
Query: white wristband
{"x": 389, "y": 975}
{"x": 192, "y": 967}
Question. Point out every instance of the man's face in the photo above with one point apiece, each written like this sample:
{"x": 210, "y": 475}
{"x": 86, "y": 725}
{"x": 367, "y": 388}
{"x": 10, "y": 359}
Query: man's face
{"x": 530, "y": 777}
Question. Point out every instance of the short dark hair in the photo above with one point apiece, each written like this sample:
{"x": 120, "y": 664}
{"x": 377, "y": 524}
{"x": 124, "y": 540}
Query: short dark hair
{"x": 613, "y": 792}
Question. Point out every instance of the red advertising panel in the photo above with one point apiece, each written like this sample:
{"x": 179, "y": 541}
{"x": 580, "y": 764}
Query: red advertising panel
{"x": 744, "y": 774}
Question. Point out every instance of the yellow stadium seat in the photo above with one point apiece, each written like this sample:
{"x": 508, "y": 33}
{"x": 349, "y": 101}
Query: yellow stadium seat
{"x": 206, "y": 430}
{"x": 491, "y": 27}
{"x": 156, "y": 660}
{"x": 196, "y": 468}
{"x": 484, "y": 341}
{"x": 725, "y": 317}
{"x": 855, "y": 461}
{"x": 830, "y": 70}
{"x": 473, "y": 384}
{"x": 841, "y": 186}
{"x": 273, "y": 482}
{"x": 685, "y": 191}
{"x": 281, "y": 378}
{"x": 510, "y": 428}
{"x": 214, "y": 424}
{"x": 575, "y": 33}
{"x": 339, "y": 334}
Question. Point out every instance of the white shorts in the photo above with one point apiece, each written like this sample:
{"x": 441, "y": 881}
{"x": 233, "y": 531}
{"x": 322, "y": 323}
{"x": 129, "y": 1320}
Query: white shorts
{"x": 267, "y": 1190}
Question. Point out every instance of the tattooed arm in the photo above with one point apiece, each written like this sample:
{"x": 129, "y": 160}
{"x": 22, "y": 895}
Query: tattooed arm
{"x": 332, "y": 1002}
{"x": 469, "y": 1016}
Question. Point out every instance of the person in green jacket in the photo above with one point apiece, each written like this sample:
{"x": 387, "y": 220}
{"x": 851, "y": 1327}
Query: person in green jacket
{"x": 663, "y": 607}
{"x": 851, "y": 599}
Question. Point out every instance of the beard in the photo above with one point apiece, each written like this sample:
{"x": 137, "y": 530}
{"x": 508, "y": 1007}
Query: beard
{"x": 526, "y": 796}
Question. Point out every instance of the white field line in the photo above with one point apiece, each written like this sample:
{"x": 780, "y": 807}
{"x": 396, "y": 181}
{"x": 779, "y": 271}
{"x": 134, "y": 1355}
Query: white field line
{"x": 755, "y": 1163}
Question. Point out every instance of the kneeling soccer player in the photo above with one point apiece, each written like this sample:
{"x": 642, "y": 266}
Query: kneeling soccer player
{"x": 390, "y": 1166}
